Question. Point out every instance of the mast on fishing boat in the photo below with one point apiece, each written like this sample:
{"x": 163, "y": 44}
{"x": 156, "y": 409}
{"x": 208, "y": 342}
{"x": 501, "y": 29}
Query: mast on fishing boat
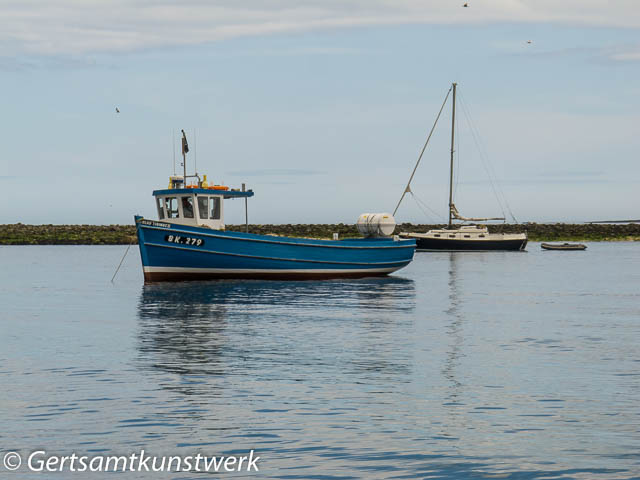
{"x": 185, "y": 149}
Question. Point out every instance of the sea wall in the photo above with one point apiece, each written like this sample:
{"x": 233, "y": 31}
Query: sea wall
{"x": 20, "y": 234}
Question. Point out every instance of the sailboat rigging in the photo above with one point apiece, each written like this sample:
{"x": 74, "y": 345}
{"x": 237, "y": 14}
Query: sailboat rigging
{"x": 466, "y": 237}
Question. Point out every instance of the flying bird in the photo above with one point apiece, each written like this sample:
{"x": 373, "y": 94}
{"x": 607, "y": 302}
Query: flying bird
{"x": 117, "y": 110}
{"x": 529, "y": 41}
{"x": 465, "y": 5}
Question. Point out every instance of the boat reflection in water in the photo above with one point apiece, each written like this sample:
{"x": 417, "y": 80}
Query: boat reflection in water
{"x": 454, "y": 332}
{"x": 240, "y": 327}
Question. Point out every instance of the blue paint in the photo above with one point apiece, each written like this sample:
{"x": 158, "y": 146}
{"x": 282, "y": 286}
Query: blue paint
{"x": 232, "y": 251}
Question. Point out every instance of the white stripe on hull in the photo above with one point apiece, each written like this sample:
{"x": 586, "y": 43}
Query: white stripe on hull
{"x": 470, "y": 250}
{"x": 267, "y": 270}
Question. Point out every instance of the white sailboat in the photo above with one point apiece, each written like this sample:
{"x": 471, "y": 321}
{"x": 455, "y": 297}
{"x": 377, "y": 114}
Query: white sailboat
{"x": 465, "y": 237}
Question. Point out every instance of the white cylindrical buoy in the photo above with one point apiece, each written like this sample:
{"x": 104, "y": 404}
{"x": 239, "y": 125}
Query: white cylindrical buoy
{"x": 376, "y": 224}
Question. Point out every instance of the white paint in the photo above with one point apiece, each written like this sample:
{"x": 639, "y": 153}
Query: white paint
{"x": 267, "y": 270}
{"x": 376, "y": 224}
{"x": 196, "y": 221}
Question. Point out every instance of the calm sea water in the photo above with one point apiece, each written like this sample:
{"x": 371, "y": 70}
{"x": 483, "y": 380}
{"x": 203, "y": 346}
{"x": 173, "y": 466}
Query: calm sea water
{"x": 462, "y": 365}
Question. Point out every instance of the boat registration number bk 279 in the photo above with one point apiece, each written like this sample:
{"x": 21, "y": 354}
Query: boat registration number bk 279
{"x": 198, "y": 242}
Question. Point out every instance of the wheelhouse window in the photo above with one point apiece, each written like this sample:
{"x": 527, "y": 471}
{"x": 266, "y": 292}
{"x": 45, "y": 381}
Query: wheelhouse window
{"x": 187, "y": 207}
{"x": 214, "y": 204}
{"x": 203, "y": 207}
{"x": 160, "y": 202}
{"x": 171, "y": 203}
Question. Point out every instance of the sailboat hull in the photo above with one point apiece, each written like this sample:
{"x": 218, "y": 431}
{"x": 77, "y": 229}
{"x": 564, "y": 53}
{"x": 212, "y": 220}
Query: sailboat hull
{"x": 471, "y": 239}
{"x": 436, "y": 244}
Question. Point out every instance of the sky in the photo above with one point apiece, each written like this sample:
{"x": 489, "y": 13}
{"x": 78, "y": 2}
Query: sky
{"x": 321, "y": 107}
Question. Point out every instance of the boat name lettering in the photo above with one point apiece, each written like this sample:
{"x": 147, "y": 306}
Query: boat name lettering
{"x": 179, "y": 239}
{"x": 155, "y": 224}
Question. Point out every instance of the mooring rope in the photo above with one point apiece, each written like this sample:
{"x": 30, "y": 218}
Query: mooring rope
{"x": 122, "y": 260}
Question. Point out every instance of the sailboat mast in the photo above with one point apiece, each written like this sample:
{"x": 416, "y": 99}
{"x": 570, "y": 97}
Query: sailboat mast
{"x": 453, "y": 130}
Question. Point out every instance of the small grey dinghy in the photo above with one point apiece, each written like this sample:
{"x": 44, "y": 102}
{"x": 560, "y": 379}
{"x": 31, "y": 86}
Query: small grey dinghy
{"x": 563, "y": 246}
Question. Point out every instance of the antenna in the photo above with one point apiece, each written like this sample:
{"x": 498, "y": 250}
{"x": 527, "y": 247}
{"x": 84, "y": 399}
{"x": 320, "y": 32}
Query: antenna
{"x": 195, "y": 152}
{"x": 173, "y": 137}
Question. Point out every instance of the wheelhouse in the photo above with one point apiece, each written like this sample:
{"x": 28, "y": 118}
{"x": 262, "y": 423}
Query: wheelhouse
{"x": 201, "y": 207}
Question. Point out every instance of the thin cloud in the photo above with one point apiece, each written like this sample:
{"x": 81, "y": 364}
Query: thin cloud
{"x": 572, "y": 174}
{"x": 270, "y": 172}
{"x": 74, "y": 27}
{"x": 17, "y": 64}
{"x": 546, "y": 180}
{"x": 612, "y": 53}
{"x": 628, "y": 55}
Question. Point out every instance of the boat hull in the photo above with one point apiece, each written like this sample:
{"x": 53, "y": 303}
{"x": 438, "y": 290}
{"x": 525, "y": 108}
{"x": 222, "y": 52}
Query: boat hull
{"x": 565, "y": 247}
{"x": 473, "y": 245}
{"x": 172, "y": 252}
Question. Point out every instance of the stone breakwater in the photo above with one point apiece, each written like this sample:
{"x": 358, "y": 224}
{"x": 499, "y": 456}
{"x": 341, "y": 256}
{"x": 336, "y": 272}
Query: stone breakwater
{"x": 19, "y": 234}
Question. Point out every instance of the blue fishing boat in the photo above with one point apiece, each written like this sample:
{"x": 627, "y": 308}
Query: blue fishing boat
{"x": 189, "y": 242}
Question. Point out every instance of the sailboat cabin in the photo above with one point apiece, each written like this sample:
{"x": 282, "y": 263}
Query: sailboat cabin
{"x": 195, "y": 206}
